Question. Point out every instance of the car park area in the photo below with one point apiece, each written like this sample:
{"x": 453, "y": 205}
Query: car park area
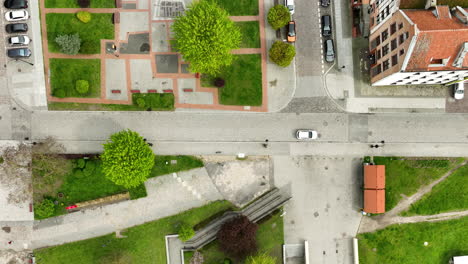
{"x": 454, "y": 105}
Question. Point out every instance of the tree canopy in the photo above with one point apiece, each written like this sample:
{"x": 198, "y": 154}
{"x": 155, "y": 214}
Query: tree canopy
{"x": 238, "y": 237}
{"x": 279, "y": 16}
{"x": 205, "y": 36}
{"x": 282, "y": 53}
{"x": 127, "y": 159}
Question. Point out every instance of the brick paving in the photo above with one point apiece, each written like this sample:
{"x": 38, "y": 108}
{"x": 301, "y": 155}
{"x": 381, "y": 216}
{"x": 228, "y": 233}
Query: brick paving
{"x": 151, "y": 56}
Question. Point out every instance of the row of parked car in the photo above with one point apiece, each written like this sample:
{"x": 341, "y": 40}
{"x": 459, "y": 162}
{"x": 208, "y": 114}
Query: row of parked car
{"x": 327, "y": 33}
{"x": 19, "y": 13}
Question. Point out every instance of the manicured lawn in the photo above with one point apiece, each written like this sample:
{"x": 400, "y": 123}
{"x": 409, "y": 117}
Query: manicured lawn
{"x": 166, "y": 103}
{"x": 100, "y": 27}
{"x": 449, "y": 195}
{"x": 413, "y": 4}
{"x": 453, "y": 3}
{"x": 270, "y": 238}
{"x": 143, "y": 244}
{"x": 239, "y": 7}
{"x": 406, "y": 176}
{"x": 405, "y": 243}
{"x": 73, "y": 4}
{"x": 250, "y": 34}
{"x": 243, "y": 81}
{"x": 65, "y": 72}
{"x": 162, "y": 164}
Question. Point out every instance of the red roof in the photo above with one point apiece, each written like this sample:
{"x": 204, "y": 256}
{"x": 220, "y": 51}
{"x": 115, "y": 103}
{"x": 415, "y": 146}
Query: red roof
{"x": 374, "y": 177}
{"x": 374, "y": 201}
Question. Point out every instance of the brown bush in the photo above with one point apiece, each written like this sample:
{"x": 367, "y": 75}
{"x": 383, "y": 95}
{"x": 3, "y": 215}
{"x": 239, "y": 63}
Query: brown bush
{"x": 84, "y": 3}
{"x": 237, "y": 237}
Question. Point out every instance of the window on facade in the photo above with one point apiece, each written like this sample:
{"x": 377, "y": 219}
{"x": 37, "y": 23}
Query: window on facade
{"x": 384, "y": 35}
{"x": 376, "y": 70}
{"x": 375, "y": 42}
{"x": 406, "y": 78}
{"x": 392, "y": 28}
{"x": 394, "y": 44}
{"x": 437, "y": 72}
{"x": 394, "y": 83}
{"x": 406, "y": 35}
{"x": 431, "y": 80}
{"x": 386, "y": 65}
{"x": 418, "y": 73}
{"x": 394, "y": 60}
{"x": 378, "y": 54}
{"x": 439, "y": 82}
{"x": 384, "y": 50}
{"x": 400, "y": 26}
{"x": 402, "y": 51}
{"x": 436, "y": 61}
{"x": 424, "y": 77}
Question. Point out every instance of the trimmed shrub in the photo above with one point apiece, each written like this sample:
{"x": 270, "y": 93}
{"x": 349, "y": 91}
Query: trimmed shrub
{"x": 78, "y": 174}
{"x": 141, "y": 102}
{"x": 81, "y": 163}
{"x": 83, "y": 16}
{"x": 238, "y": 237}
{"x": 83, "y": 3}
{"x": 261, "y": 259}
{"x": 282, "y": 53}
{"x": 60, "y": 93}
{"x": 44, "y": 209}
{"x": 185, "y": 232}
{"x": 82, "y": 86}
{"x": 69, "y": 44}
{"x": 219, "y": 82}
{"x": 278, "y": 16}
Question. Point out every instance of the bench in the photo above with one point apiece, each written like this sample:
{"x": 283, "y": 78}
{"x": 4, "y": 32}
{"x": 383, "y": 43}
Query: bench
{"x": 116, "y": 91}
{"x": 152, "y": 91}
{"x": 188, "y": 90}
{"x": 135, "y": 91}
{"x": 168, "y": 91}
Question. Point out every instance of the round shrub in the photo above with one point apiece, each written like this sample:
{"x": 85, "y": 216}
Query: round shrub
{"x": 185, "y": 232}
{"x": 282, "y": 53}
{"x": 219, "y": 82}
{"x": 78, "y": 174}
{"x": 82, "y": 86}
{"x": 83, "y": 16}
{"x": 60, "y": 93}
{"x": 278, "y": 16}
{"x": 81, "y": 163}
{"x": 238, "y": 237}
{"x": 89, "y": 169}
{"x": 141, "y": 102}
{"x": 44, "y": 209}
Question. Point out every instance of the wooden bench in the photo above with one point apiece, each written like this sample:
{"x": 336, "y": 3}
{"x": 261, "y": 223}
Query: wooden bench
{"x": 152, "y": 91}
{"x": 188, "y": 90}
{"x": 135, "y": 91}
{"x": 168, "y": 91}
{"x": 116, "y": 91}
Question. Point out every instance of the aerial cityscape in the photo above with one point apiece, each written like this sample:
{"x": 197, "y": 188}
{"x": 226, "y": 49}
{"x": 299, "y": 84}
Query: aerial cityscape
{"x": 234, "y": 132}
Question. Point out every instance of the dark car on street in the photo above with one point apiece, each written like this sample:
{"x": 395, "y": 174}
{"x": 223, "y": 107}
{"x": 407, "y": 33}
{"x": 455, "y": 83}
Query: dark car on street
{"x": 326, "y": 26}
{"x": 16, "y": 4}
{"x": 16, "y": 28}
{"x": 19, "y": 53}
{"x": 325, "y": 3}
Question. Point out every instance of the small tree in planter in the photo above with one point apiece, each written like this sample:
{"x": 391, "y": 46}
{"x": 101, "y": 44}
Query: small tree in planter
{"x": 278, "y": 16}
{"x": 237, "y": 237}
{"x": 219, "y": 82}
{"x": 69, "y": 44}
{"x": 83, "y": 3}
{"x": 185, "y": 232}
{"x": 282, "y": 53}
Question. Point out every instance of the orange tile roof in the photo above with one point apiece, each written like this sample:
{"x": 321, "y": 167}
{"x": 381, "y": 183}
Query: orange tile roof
{"x": 439, "y": 38}
{"x": 443, "y": 12}
{"x": 374, "y": 177}
{"x": 374, "y": 201}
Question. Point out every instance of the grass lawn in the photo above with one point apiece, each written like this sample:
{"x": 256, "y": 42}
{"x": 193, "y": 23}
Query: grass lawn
{"x": 453, "y": 3}
{"x": 243, "y": 81}
{"x": 100, "y": 27}
{"x": 239, "y": 7}
{"x": 406, "y": 176}
{"x": 65, "y": 72}
{"x": 250, "y": 34}
{"x": 183, "y": 163}
{"x": 270, "y": 238}
{"x": 413, "y": 4}
{"x": 449, "y": 195}
{"x": 405, "y": 243}
{"x": 143, "y": 244}
{"x": 73, "y": 4}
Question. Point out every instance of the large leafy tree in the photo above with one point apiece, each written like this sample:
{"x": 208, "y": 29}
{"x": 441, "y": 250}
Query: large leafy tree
{"x": 238, "y": 237}
{"x": 278, "y": 16}
{"x": 127, "y": 159}
{"x": 205, "y": 36}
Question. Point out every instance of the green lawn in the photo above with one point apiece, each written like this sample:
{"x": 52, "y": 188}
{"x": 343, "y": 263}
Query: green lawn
{"x": 405, "y": 243}
{"x": 453, "y": 3}
{"x": 250, "y": 34}
{"x": 65, "y": 72}
{"x": 270, "y": 238}
{"x": 239, "y": 7}
{"x": 100, "y": 27}
{"x": 449, "y": 195}
{"x": 243, "y": 84}
{"x": 143, "y": 244}
{"x": 413, "y": 4}
{"x": 73, "y": 4}
{"x": 183, "y": 163}
{"x": 406, "y": 176}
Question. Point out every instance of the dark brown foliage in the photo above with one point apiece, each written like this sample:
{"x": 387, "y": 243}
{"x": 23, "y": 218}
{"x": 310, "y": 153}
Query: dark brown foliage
{"x": 84, "y": 3}
{"x": 237, "y": 237}
{"x": 218, "y": 82}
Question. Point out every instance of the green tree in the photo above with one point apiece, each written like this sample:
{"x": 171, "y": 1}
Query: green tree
{"x": 69, "y": 44}
{"x": 82, "y": 86}
{"x": 261, "y": 259}
{"x": 205, "y": 36}
{"x": 84, "y": 16}
{"x": 185, "y": 232}
{"x": 278, "y": 16}
{"x": 282, "y": 53}
{"x": 127, "y": 160}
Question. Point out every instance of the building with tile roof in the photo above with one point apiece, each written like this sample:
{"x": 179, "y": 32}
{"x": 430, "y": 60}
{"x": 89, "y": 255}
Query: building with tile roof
{"x": 420, "y": 47}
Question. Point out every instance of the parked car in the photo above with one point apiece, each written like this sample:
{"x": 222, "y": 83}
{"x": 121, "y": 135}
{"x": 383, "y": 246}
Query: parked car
{"x": 305, "y": 134}
{"x": 292, "y": 31}
{"x": 16, "y": 28}
{"x": 326, "y": 26}
{"x": 16, "y": 15}
{"x": 325, "y": 3}
{"x": 19, "y": 53}
{"x": 459, "y": 90}
{"x": 16, "y": 4}
{"x": 329, "y": 50}
{"x": 290, "y": 5}
{"x": 19, "y": 40}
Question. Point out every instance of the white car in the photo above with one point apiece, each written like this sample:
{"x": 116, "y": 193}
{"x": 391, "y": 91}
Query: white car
{"x": 290, "y": 5}
{"x": 304, "y": 134}
{"x": 459, "y": 91}
{"x": 16, "y": 15}
{"x": 19, "y": 40}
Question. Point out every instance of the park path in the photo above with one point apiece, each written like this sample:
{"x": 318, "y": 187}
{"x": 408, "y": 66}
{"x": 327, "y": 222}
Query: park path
{"x": 371, "y": 224}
